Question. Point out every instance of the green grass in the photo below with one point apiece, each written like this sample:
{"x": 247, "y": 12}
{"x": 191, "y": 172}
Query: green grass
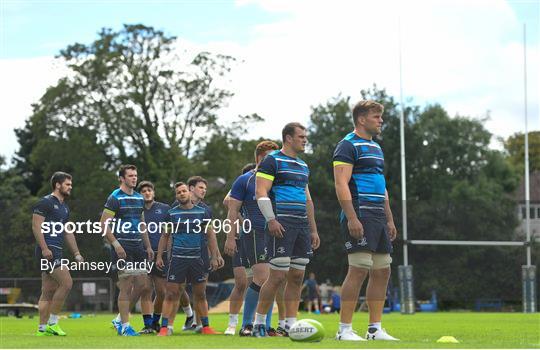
{"x": 473, "y": 330}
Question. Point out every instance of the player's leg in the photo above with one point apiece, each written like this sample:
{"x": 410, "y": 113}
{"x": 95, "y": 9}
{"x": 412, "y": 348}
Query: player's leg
{"x": 170, "y": 304}
{"x": 279, "y": 257}
{"x": 280, "y": 301}
{"x": 236, "y": 298}
{"x": 378, "y": 283}
{"x": 125, "y": 286}
{"x": 189, "y": 324}
{"x": 63, "y": 279}
{"x": 144, "y": 284}
{"x": 198, "y": 275}
{"x": 159, "y": 288}
{"x": 48, "y": 287}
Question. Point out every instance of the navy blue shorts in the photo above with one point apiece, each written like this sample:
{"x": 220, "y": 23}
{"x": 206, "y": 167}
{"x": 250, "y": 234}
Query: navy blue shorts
{"x": 239, "y": 259}
{"x": 135, "y": 253}
{"x": 155, "y": 271}
{"x": 296, "y": 243}
{"x": 254, "y": 244}
{"x": 182, "y": 270}
{"x": 376, "y": 236}
{"x": 56, "y": 259}
{"x": 205, "y": 256}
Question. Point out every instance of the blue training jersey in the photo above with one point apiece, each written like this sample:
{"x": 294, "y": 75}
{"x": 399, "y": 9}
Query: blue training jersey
{"x": 288, "y": 194}
{"x": 154, "y": 217}
{"x": 243, "y": 189}
{"x": 129, "y": 209}
{"x": 367, "y": 183}
{"x": 52, "y": 210}
{"x": 188, "y": 230}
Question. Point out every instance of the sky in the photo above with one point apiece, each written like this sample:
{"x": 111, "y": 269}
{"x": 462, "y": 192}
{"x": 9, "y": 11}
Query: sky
{"x": 465, "y": 55}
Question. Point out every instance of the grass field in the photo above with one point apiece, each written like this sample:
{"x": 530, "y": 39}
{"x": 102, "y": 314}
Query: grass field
{"x": 473, "y": 330}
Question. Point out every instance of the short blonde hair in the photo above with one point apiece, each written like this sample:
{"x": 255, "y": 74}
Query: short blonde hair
{"x": 363, "y": 107}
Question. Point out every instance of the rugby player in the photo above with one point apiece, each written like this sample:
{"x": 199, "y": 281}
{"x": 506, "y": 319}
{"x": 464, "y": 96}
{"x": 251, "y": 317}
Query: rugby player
{"x": 188, "y": 226}
{"x": 284, "y": 200}
{"x": 155, "y": 214}
{"x": 129, "y": 240}
{"x": 55, "y": 283}
{"x": 242, "y": 199}
{"x": 367, "y": 223}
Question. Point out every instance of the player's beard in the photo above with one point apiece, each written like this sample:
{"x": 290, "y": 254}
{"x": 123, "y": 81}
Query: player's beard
{"x": 184, "y": 202}
{"x": 65, "y": 194}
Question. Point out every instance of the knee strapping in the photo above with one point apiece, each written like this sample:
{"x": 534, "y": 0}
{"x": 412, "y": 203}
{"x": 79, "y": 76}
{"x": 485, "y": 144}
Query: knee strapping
{"x": 280, "y": 263}
{"x": 299, "y": 263}
{"x": 361, "y": 260}
{"x": 381, "y": 261}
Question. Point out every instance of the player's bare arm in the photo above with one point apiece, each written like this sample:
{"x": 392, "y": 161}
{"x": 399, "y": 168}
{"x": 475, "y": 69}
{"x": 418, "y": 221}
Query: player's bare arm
{"x": 342, "y": 176}
{"x": 315, "y": 240}
{"x": 262, "y": 187}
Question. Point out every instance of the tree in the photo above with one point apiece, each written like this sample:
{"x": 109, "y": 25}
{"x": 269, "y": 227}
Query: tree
{"x": 145, "y": 101}
{"x": 515, "y": 149}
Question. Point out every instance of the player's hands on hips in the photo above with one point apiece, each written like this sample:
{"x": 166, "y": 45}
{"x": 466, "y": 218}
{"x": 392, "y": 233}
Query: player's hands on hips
{"x": 47, "y": 253}
{"x": 159, "y": 263}
{"x": 315, "y": 240}
{"x": 120, "y": 252}
{"x": 150, "y": 253}
{"x": 275, "y": 228}
{"x": 230, "y": 246}
{"x": 392, "y": 230}
{"x": 356, "y": 230}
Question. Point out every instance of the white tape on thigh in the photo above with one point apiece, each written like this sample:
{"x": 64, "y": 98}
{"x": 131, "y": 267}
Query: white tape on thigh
{"x": 381, "y": 261}
{"x": 362, "y": 260}
{"x": 299, "y": 263}
{"x": 281, "y": 263}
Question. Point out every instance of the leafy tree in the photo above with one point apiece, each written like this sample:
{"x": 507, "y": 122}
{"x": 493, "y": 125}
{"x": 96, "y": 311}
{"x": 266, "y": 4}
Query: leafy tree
{"x": 515, "y": 148}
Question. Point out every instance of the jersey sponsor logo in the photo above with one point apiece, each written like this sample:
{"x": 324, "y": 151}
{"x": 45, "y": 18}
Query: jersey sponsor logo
{"x": 158, "y": 211}
{"x": 363, "y": 242}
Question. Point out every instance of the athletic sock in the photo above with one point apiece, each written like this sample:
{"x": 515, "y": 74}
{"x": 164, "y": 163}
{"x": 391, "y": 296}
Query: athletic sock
{"x": 289, "y": 321}
{"x": 281, "y": 323}
{"x": 53, "y": 319}
{"x": 124, "y": 326}
{"x": 250, "y": 304}
{"x": 374, "y": 327}
{"x": 42, "y": 327}
{"x": 344, "y": 327}
{"x": 147, "y": 319}
{"x": 188, "y": 310}
{"x": 233, "y": 320}
{"x": 155, "y": 318}
{"x": 164, "y": 322}
{"x": 205, "y": 322}
{"x": 260, "y": 318}
{"x": 269, "y": 317}
{"x": 118, "y": 318}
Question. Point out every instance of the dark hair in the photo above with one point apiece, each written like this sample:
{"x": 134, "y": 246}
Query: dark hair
{"x": 194, "y": 180}
{"x": 144, "y": 184}
{"x": 178, "y": 184}
{"x": 124, "y": 167}
{"x": 248, "y": 167}
{"x": 290, "y": 129}
{"x": 58, "y": 178}
{"x": 363, "y": 108}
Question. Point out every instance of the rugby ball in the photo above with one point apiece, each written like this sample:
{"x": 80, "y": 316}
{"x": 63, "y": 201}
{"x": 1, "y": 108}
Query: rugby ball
{"x": 306, "y": 330}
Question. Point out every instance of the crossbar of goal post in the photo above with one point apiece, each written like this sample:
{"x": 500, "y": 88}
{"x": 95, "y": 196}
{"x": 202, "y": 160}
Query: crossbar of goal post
{"x": 528, "y": 272}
